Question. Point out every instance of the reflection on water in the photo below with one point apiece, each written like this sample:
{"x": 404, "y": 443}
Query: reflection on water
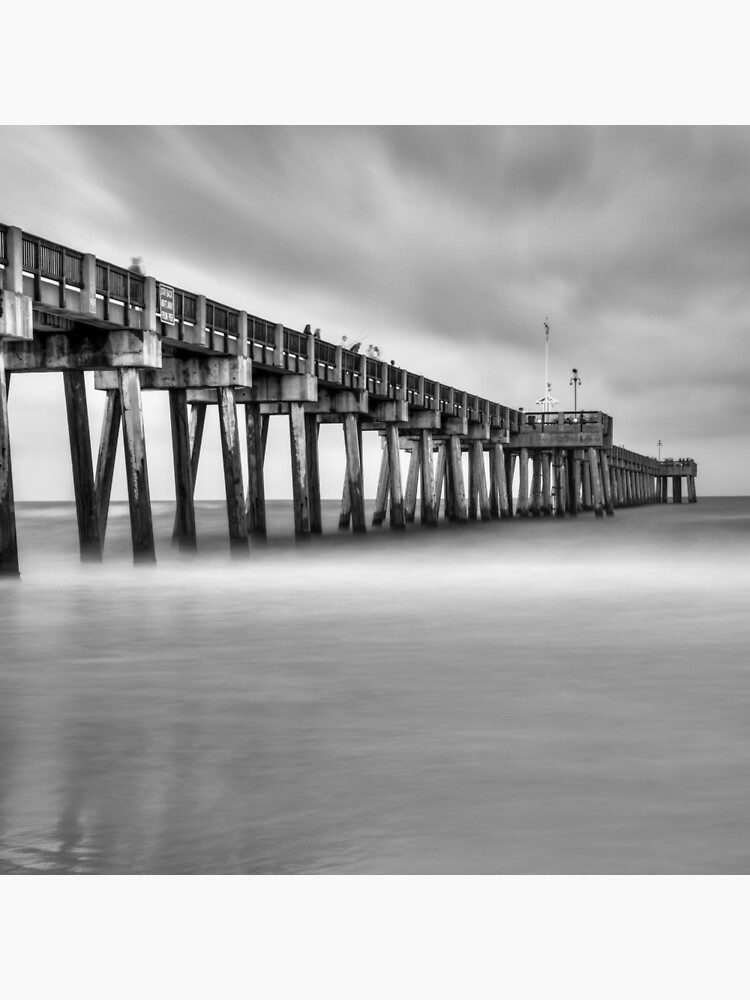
{"x": 528, "y": 696}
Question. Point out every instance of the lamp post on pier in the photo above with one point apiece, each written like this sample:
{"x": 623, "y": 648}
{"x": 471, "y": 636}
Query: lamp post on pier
{"x": 658, "y": 445}
{"x": 575, "y": 382}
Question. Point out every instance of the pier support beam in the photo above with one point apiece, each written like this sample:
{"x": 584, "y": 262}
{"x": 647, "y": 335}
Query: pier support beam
{"x": 84, "y": 485}
{"x": 412, "y": 484}
{"x": 300, "y": 489}
{"x": 256, "y": 489}
{"x": 481, "y": 480}
{"x": 574, "y": 482}
{"x": 184, "y": 528}
{"x": 105, "y": 465}
{"x": 692, "y": 496}
{"x": 136, "y": 468}
{"x": 312, "y": 431}
{"x": 523, "y": 483}
{"x": 429, "y": 506}
{"x": 596, "y": 483}
{"x": 561, "y": 476}
{"x": 354, "y": 473}
{"x": 536, "y": 484}
{"x": 459, "y": 507}
{"x": 498, "y": 482}
{"x": 233, "y": 485}
{"x": 510, "y": 469}
{"x": 676, "y": 489}
{"x": 606, "y": 483}
{"x": 546, "y": 481}
{"x": 8, "y": 537}
{"x": 394, "y": 477}
{"x": 381, "y": 497}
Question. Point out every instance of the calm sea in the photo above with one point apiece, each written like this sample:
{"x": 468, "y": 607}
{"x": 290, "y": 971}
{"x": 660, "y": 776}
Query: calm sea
{"x": 517, "y": 697}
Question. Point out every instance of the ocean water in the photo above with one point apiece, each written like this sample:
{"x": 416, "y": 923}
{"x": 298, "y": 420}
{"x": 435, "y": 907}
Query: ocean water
{"x": 529, "y": 696}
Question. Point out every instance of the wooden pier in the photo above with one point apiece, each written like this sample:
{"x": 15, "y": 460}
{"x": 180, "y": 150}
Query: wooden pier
{"x": 67, "y": 311}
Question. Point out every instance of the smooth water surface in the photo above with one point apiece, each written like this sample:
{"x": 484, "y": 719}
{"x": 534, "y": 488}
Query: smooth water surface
{"x": 526, "y": 696}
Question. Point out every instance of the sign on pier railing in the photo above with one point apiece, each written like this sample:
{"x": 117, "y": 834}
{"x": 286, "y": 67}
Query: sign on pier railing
{"x": 166, "y": 304}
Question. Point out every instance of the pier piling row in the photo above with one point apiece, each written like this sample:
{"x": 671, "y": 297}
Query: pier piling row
{"x": 66, "y": 311}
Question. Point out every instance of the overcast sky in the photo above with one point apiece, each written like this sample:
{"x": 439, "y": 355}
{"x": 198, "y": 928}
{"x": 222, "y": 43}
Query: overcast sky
{"x": 445, "y": 246}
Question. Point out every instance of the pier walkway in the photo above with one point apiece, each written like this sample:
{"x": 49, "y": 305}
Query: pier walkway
{"x": 67, "y": 311}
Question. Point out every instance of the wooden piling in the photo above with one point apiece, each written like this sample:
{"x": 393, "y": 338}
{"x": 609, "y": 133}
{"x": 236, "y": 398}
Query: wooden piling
{"x": 300, "y": 489}
{"x": 184, "y": 532}
{"x": 606, "y": 482}
{"x": 522, "y": 506}
{"x": 536, "y": 484}
{"x": 345, "y": 512}
{"x": 136, "y": 467}
{"x": 354, "y": 472}
{"x": 473, "y": 484}
{"x": 692, "y": 495}
{"x": 233, "y": 485}
{"x": 312, "y": 433}
{"x": 574, "y": 482}
{"x": 460, "y": 510}
{"x": 586, "y": 503}
{"x": 441, "y": 486}
{"x": 510, "y": 468}
{"x": 546, "y": 498}
{"x": 105, "y": 465}
{"x": 429, "y": 506}
{"x": 84, "y": 485}
{"x": 256, "y": 487}
{"x": 596, "y": 484}
{"x": 8, "y": 536}
{"x": 561, "y": 478}
{"x": 381, "y": 497}
{"x": 394, "y": 477}
{"x": 412, "y": 483}
{"x": 676, "y": 489}
{"x": 481, "y": 480}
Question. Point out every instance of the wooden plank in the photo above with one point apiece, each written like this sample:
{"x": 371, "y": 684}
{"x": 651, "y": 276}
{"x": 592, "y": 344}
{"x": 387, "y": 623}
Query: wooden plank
{"x": 256, "y": 488}
{"x": 184, "y": 528}
{"x": 84, "y": 484}
{"x": 429, "y": 505}
{"x": 233, "y": 485}
{"x": 394, "y": 476}
{"x": 136, "y": 467}
{"x": 105, "y": 465}
{"x": 381, "y": 497}
{"x": 354, "y": 472}
{"x": 312, "y": 432}
{"x": 8, "y": 535}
